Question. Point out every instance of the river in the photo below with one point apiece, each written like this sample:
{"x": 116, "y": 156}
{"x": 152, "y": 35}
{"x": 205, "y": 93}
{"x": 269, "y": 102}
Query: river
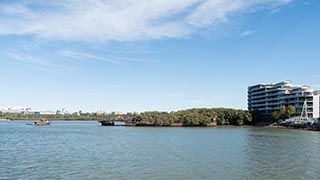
{"x": 86, "y": 150}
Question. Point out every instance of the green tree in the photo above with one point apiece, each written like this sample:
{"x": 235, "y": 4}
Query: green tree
{"x": 291, "y": 110}
{"x": 282, "y": 112}
{"x": 275, "y": 116}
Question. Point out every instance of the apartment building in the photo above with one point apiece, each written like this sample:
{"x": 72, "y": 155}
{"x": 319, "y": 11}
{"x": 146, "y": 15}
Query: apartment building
{"x": 267, "y": 98}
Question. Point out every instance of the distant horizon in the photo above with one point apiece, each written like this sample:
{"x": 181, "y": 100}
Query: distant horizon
{"x": 108, "y": 111}
{"x": 124, "y": 55}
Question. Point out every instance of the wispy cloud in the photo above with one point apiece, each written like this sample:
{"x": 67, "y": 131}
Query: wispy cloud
{"x": 305, "y": 3}
{"x": 31, "y": 60}
{"x": 119, "y": 20}
{"x": 85, "y": 56}
{"x": 247, "y": 33}
{"x": 110, "y": 59}
{"x": 133, "y": 60}
{"x": 275, "y": 10}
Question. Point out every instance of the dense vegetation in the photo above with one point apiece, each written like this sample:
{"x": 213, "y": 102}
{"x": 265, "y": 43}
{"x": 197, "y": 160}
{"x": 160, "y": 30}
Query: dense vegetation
{"x": 190, "y": 117}
{"x": 203, "y": 116}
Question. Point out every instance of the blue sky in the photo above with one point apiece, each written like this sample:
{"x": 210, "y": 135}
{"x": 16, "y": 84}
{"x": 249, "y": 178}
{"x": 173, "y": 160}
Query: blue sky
{"x": 128, "y": 55}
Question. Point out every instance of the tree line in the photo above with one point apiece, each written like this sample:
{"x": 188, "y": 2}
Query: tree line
{"x": 74, "y": 116}
{"x": 189, "y": 117}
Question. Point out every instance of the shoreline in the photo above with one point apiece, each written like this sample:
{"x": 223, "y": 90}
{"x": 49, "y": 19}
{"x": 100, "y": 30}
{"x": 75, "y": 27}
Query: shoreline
{"x": 259, "y": 125}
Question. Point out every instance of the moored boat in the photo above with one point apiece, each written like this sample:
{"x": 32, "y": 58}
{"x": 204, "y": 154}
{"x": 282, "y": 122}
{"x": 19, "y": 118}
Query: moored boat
{"x": 107, "y": 123}
{"x": 42, "y": 122}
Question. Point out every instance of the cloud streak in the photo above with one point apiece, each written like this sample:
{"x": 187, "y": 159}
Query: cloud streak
{"x": 85, "y": 56}
{"x": 247, "y": 33}
{"x": 111, "y": 59}
{"x": 120, "y": 20}
{"x": 31, "y": 60}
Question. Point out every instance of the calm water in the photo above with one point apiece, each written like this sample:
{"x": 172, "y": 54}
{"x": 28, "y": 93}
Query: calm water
{"x": 85, "y": 150}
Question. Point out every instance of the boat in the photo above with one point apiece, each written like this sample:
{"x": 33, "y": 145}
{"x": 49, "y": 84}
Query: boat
{"x": 42, "y": 122}
{"x": 107, "y": 123}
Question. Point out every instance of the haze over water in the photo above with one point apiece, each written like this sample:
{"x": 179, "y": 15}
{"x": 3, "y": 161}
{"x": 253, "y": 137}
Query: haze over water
{"x": 85, "y": 150}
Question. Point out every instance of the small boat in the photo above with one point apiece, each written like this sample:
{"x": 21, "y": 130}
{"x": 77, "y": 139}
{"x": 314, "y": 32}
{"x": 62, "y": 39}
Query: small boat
{"x": 107, "y": 123}
{"x": 42, "y": 122}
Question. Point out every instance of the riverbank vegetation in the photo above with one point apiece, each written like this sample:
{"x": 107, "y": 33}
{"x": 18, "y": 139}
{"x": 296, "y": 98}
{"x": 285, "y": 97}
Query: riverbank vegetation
{"x": 189, "y": 117}
{"x": 195, "y": 117}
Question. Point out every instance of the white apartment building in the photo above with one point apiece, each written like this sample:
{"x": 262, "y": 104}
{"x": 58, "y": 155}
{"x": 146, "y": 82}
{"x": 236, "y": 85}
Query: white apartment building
{"x": 267, "y": 98}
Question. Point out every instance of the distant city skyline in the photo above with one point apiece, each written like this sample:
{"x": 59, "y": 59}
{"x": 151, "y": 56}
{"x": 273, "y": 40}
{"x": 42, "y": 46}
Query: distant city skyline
{"x": 26, "y": 109}
{"x": 127, "y": 56}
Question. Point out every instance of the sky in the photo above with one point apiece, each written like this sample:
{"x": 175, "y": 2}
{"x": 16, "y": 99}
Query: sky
{"x": 138, "y": 55}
